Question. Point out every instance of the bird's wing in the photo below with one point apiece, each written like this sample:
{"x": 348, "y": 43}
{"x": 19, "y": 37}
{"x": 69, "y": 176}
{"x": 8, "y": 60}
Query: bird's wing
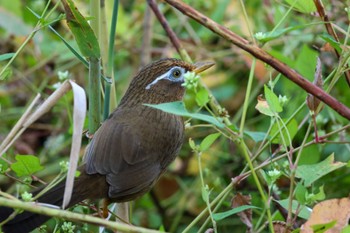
{"x": 118, "y": 151}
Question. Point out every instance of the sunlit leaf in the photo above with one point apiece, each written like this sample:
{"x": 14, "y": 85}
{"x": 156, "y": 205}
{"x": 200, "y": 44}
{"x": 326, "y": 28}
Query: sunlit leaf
{"x": 256, "y": 136}
{"x": 202, "y": 97}
{"x": 323, "y": 227}
{"x": 208, "y": 141}
{"x": 178, "y": 108}
{"x": 83, "y": 33}
{"x": 6, "y": 56}
{"x": 310, "y": 173}
{"x": 303, "y": 211}
{"x": 272, "y": 100}
{"x": 290, "y": 132}
{"x": 223, "y": 215}
{"x": 300, "y": 193}
{"x": 26, "y": 165}
{"x": 263, "y": 107}
{"x": 303, "y": 6}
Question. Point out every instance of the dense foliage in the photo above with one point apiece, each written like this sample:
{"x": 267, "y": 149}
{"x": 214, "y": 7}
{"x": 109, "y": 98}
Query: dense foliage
{"x": 259, "y": 150}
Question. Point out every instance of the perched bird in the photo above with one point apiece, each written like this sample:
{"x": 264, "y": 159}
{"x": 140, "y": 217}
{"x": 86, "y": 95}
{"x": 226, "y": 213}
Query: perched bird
{"x": 131, "y": 149}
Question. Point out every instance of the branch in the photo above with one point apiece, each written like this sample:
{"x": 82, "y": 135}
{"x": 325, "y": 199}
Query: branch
{"x": 262, "y": 55}
{"x": 171, "y": 34}
{"x": 75, "y": 217}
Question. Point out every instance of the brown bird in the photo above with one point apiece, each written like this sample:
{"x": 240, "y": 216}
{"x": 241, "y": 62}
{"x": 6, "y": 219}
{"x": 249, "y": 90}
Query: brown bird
{"x": 131, "y": 149}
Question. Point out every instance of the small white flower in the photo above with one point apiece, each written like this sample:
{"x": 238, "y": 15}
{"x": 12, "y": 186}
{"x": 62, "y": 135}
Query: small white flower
{"x": 282, "y": 99}
{"x": 64, "y": 166}
{"x": 274, "y": 173}
{"x": 260, "y": 35}
{"x": 26, "y": 196}
{"x": 191, "y": 80}
{"x": 62, "y": 75}
{"x": 68, "y": 227}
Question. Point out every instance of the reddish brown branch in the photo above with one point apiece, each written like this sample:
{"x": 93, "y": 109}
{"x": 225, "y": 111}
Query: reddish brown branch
{"x": 331, "y": 32}
{"x": 262, "y": 55}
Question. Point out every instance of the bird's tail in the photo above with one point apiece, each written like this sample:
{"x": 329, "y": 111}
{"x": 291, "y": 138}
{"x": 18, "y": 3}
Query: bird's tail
{"x": 84, "y": 187}
{"x": 27, "y": 221}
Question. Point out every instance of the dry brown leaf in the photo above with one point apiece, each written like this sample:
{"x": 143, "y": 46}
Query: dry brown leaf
{"x": 327, "y": 211}
{"x": 281, "y": 227}
{"x": 246, "y": 215}
{"x": 312, "y": 101}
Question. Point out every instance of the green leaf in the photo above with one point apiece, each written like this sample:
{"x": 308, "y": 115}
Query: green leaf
{"x": 3, "y": 166}
{"x": 178, "y": 108}
{"x": 310, "y": 173}
{"x": 208, "y": 141}
{"x": 256, "y": 136}
{"x": 83, "y": 33}
{"x": 306, "y": 62}
{"x": 268, "y": 36}
{"x": 304, "y": 212}
{"x": 304, "y": 6}
{"x": 292, "y": 129}
{"x": 6, "y": 56}
{"x": 192, "y": 144}
{"x": 202, "y": 97}
{"x": 205, "y": 194}
{"x": 300, "y": 193}
{"x": 346, "y": 229}
{"x": 321, "y": 228}
{"x": 223, "y": 215}
{"x": 272, "y": 100}
{"x": 314, "y": 197}
{"x": 6, "y": 73}
{"x": 26, "y": 165}
{"x": 263, "y": 107}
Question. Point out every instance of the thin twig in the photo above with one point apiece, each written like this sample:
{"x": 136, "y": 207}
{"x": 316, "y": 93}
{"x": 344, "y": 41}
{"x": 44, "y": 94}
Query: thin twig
{"x": 173, "y": 38}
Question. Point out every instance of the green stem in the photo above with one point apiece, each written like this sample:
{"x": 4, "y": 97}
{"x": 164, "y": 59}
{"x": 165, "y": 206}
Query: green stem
{"x": 205, "y": 190}
{"x": 247, "y": 22}
{"x": 75, "y": 217}
{"x": 247, "y": 97}
{"x": 94, "y": 95}
{"x": 214, "y": 211}
{"x": 292, "y": 177}
{"x": 257, "y": 182}
{"x": 204, "y": 212}
{"x": 95, "y": 14}
{"x": 110, "y": 100}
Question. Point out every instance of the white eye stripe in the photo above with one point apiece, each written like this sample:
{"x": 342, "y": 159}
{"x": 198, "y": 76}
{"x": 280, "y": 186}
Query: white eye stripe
{"x": 168, "y": 76}
{"x": 156, "y": 80}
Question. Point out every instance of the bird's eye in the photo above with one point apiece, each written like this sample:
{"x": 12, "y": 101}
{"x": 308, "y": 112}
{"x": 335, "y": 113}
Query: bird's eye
{"x": 176, "y": 73}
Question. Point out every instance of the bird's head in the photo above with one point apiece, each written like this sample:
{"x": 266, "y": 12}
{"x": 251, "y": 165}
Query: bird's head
{"x": 160, "y": 81}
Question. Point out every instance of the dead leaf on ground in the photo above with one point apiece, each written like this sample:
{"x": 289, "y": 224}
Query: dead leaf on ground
{"x": 327, "y": 211}
{"x": 281, "y": 227}
{"x": 246, "y": 215}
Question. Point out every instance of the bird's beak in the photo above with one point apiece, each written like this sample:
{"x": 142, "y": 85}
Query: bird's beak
{"x": 202, "y": 66}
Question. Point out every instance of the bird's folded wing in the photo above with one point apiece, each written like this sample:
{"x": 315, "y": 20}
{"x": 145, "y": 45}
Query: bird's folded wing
{"x": 117, "y": 151}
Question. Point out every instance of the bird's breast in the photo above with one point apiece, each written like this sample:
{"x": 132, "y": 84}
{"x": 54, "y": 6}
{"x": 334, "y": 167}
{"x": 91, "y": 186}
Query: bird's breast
{"x": 163, "y": 134}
